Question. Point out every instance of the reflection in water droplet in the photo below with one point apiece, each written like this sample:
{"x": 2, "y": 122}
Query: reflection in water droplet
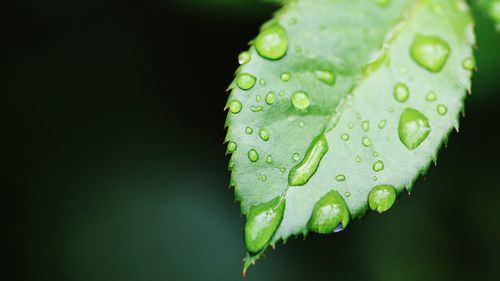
{"x": 300, "y": 100}
{"x": 231, "y": 146}
{"x": 235, "y": 106}
{"x": 253, "y": 155}
{"x": 256, "y": 108}
{"x": 365, "y": 141}
{"x": 442, "y": 109}
{"x": 261, "y": 223}
{"x": 285, "y": 76}
{"x": 340, "y": 177}
{"x": 382, "y": 197}
{"x": 248, "y": 130}
{"x": 469, "y": 63}
{"x": 344, "y": 137}
{"x": 382, "y": 124}
{"x": 430, "y": 52}
{"x": 298, "y": 49}
{"x": 329, "y": 212}
{"x": 270, "y": 98}
{"x": 300, "y": 174}
{"x": 325, "y": 76}
{"x": 378, "y": 166}
{"x": 365, "y": 125}
{"x": 269, "y": 159}
{"x": 431, "y": 96}
{"x": 272, "y": 42}
{"x": 413, "y": 128}
{"x": 245, "y": 81}
{"x": 244, "y": 57}
{"x": 264, "y": 134}
{"x": 401, "y": 92}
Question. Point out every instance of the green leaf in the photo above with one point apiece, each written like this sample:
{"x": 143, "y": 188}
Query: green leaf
{"x": 338, "y": 106}
{"x": 492, "y": 8}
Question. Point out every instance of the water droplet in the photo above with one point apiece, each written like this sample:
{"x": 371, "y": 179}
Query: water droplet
{"x": 347, "y": 194}
{"x": 283, "y": 170}
{"x": 378, "y": 166}
{"x": 442, "y": 109}
{"x": 262, "y": 222}
{"x": 401, "y": 92}
{"x": 272, "y": 42}
{"x": 382, "y": 197}
{"x": 383, "y": 3}
{"x": 431, "y": 96}
{"x": 365, "y": 141}
{"x": 258, "y": 98}
{"x": 231, "y": 165}
{"x": 374, "y": 178}
{"x": 413, "y": 128}
{"x": 256, "y": 108}
{"x": 300, "y": 100}
{"x": 375, "y": 154}
{"x": 263, "y": 178}
{"x": 328, "y": 213}
{"x": 469, "y": 63}
{"x": 231, "y": 146}
{"x": 358, "y": 115}
{"x": 301, "y": 123}
{"x": 281, "y": 93}
{"x": 285, "y": 76}
{"x": 340, "y": 178}
{"x": 298, "y": 49}
{"x": 270, "y": 98}
{"x": 296, "y": 157}
{"x": 264, "y": 134}
{"x": 382, "y": 124}
{"x": 325, "y": 76}
{"x": 235, "y": 106}
{"x": 244, "y": 57}
{"x": 300, "y": 174}
{"x": 365, "y": 125}
{"x": 358, "y": 159}
{"x": 430, "y": 52}
{"x": 262, "y": 82}
{"x": 351, "y": 125}
{"x": 245, "y": 81}
{"x": 269, "y": 159}
{"x": 253, "y": 155}
{"x": 248, "y": 130}
{"x": 344, "y": 137}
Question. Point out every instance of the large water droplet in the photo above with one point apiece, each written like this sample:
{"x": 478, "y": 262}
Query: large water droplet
{"x": 300, "y": 174}
{"x": 270, "y": 98}
{"x": 231, "y": 146}
{"x": 244, "y": 57}
{"x": 245, "y": 81}
{"x": 442, "y": 109}
{"x": 285, "y": 76}
{"x": 413, "y": 128}
{"x": 300, "y": 100}
{"x": 358, "y": 159}
{"x": 272, "y": 42}
{"x": 430, "y": 52}
{"x": 325, "y": 76}
{"x": 235, "y": 106}
{"x": 381, "y": 198}
{"x": 262, "y": 222}
{"x": 253, "y": 155}
{"x": 264, "y": 134}
{"x": 328, "y": 213}
{"x": 401, "y": 92}
{"x": 378, "y": 166}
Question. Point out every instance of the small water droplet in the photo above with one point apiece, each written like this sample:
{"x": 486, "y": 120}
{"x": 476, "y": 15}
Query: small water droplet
{"x": 401, "y": 92}
{"x": 245, "y": 81}
{"x": 382, "y": 197}
{"x": 283, "y": 170}
{"x": 300, "y": 100}
{"x": 248, "y": 130}
{"x": 262, "y": 82}
{"x": 329, "y": 212}
{"x": 258, "y": 98}
{"x": 391, "y": 109}
{"x": 253, "y": 155}
{"x": 413, "y": 128}
{"x": 340, "y": 177}
{"x": 344, "y": 137}
{"x": 272, "y": 42}
{"x": 263, "y": 178}
{"x": 301, "y": 123}
{"x": 374, "y": 178}
{"x": 382, "y": 124}
{"x": 264, "y": 134}
{"x": 269, "y": 159}
{"x": 430, "y": 52}
{"x": 296, "y": 157}
{"x": 431, "y": 96}
{"x": 261, "y": 223}
{"x": 325, "y": 76}
{"x": 375, "y": 154}
{"x": 358, "y": 115}
{"x": 256, "y": 108}
{"x": 300, "y": 174}
{"x": 298, "y": 49}
{"x": 231, "y": 165}
{"x": 365, "y": 125}
{"x": 285, "y": 76}
{"x": 442, "y": 109}
{"x": 378, "y": 166}
{"x": 281, "y": 93}
{"x": 235, "y": 106}
{"x": 469, "y": 63}
{"x": 365, "y": 141}
{"x": 270, "y": 98}
{"x": 231, "y": 146}
{"x": 244, "y": 57}
{"x": 351, "y": 125}
{"x": 358, "y": 159}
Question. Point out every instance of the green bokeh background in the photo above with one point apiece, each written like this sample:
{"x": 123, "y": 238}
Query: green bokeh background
{"x": 115, "y": 119}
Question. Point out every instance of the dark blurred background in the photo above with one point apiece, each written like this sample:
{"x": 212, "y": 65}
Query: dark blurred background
{"x": 115, "y": 119}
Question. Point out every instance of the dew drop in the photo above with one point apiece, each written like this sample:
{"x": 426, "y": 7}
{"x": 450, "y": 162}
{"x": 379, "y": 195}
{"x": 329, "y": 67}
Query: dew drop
{"x": 344, "y": 137}
{"x": 381, "y": 198}
{"x": 283, "y": 170}
{"x": 263, "y": 178}
{"x": 285, "y": 76}
{"x": 358, "y": 159}
{"x": 347, "y": 194}
{"x": 272, "y": 42}
{"x": 264, "y": 134}
{"x": 245, "y": 81}
{"x": 300, "y": 174}
{"x": 382, "y": 124}
{"x": 401, "y": 92}
{"x": 231, "y": 146}
{"x": 413, "y": 128}
{"x": 244, "y": 58}
{"x": 351, "y": 125}
{"x": 329, "y": 212}
{"x": 248, "y": 130}
{"x": 378, "y": 166}
{"x": 262, "y": 82}
{"x": 375, "y": 154}
{"x": 469, "y": 63}
{"x": 301, "y": 123}
{"x": 340, "y": 177}
{"x": 325, "y": 76}
{"x": 430, "y": 52}
{"x": 296, "y": 157}
{"x": 253, "y": 155}
{"x": 442, "y": 109}
{"x": 269, "y": 159}
{"x": 235, "y": 106}
{"x": 365, "y": 141}
{"x": 431, "y": 96}
{"x": 256, "y": 108}
{"x": 258, "y": 98}
{"x": 262, "y": 222}
{"x": 298, "y": 49}
{"x": 365, "y": 125}
{"x": 300, "y": 100}
{"x": 270, "y": 98}
{"x": 292, "y": 21}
